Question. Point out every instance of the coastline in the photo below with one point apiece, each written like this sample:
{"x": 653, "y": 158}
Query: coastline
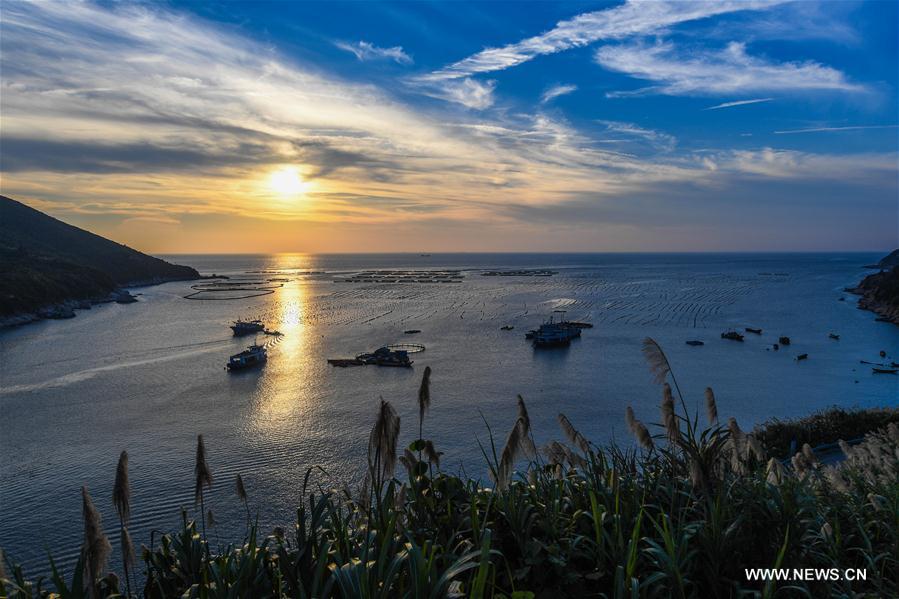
{"x": 878, "y": 294}
{"x": 66, "y": 309}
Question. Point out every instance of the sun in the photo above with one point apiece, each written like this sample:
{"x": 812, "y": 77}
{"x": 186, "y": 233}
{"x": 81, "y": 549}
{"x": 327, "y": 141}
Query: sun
{"x": 287, "y": 181}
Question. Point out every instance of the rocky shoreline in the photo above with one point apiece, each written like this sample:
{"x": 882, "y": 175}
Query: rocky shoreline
{"x": 879, "y": 293}
{"x": 67, "y": 309}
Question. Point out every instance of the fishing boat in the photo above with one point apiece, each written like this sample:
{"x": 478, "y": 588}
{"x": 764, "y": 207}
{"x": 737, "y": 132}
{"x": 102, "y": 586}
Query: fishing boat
{"x": 784, "y": 340}
{"x": 247, "y": 327}
{"x": 384, "y": 356}
{"x": 555, "y": 333}
{"x": 885, "y": 370}
{"x": 411, "y": 331}
{"x": 751, "y": 330}
{"x": 254, "y": 355}
{"x": 732, "y": 335}
{"x": 834, "y": 336}
{"x": 507, "y": 327}
{"x": 801, "y": 357}
{"x": 695, "y": 343}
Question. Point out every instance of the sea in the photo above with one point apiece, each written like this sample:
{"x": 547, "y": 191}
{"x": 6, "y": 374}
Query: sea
{"x": 149, "y": 377}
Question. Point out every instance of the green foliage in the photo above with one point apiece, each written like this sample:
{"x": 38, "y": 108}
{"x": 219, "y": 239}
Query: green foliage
{"x": 826, "y": 426}
{"x": 681, "y": 519}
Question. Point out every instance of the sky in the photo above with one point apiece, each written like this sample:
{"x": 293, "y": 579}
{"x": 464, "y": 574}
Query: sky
{"x": 257, "y": 127}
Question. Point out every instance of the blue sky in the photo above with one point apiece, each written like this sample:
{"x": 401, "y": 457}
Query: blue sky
{"x": 453, "y": 126}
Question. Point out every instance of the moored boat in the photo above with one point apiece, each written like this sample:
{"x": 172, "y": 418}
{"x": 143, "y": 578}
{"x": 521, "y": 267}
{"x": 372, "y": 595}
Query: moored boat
{"x": 246, "y": 327}
{"x": 695, "y": 342}
{"x": 384, "y": 356}
{"x": 752, "y": 330}
{"x": 254, "y": 355}
{"x": 732, "y": 335}
{"x": 885, "y": 370}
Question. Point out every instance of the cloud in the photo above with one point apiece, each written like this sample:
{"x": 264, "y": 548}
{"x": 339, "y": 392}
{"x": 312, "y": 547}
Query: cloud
{"x": 119, "y": 111}
{"x": 679, "y": 72}
{"x": 636, "y": 17}
{"x": 367, "y": 51}
{"x": 556, "y": 91}
{"x": 631, "y": 132}
{"x": 833, "y": 129}
{"x": 469, "y": 92}
{"x": 738, "y": 103}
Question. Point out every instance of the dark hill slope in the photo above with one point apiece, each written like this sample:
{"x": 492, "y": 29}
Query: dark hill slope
{"x": 45, "y": 261}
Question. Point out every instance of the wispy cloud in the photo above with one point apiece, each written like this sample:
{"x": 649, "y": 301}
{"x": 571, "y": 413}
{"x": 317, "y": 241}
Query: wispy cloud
{"x": 731, "y": 70}
{"x": 636, "y": 17}
{"x": 555, "y": 91}
{"x": 738, "y": 103}
{"x": 469, "y": 92}
{"x": 835, "y": 129}
{"x": 631, "y": 132}
{"x": 367, "y": 51}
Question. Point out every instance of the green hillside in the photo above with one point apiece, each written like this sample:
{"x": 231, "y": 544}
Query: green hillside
{"x": 45, "y": 261}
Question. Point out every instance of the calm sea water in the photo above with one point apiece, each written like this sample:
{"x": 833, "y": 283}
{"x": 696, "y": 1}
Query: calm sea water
{"x": 148, "y": 377}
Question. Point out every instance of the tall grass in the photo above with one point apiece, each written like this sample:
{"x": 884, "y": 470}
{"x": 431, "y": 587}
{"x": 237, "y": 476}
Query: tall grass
{"x": 680, "y": 515}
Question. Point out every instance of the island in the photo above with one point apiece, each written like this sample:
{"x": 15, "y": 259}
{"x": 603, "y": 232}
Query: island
{"x": 880, "y": 291}
{"x": 49, "y": 268}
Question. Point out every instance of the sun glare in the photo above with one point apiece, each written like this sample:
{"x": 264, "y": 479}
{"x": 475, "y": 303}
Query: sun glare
{"x": 287, "y": 181}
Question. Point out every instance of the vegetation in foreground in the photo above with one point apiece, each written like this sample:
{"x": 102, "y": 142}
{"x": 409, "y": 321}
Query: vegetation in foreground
{"x": 681, "y": 516}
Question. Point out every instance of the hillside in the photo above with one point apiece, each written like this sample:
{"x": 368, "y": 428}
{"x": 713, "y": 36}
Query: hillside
{"x": 880, "y": 291}
{"x": 44, "y": 261}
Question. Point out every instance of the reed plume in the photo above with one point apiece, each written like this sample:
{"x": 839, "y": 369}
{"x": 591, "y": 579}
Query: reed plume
{"x": 432, "y": 454}
{"x": 96, "y": 547}
{"x": 382, "y": 443}
{"x": 424, "y": 398}
{"x": 127, "y": 552}
{"x": 638, "y": 429}
{"x": 202, "y": 473}
{"x": 573, "y": 435}
{"x": 775, "y": 472}
{"x": 711, "y": 406}
{"x": 121, "y": 499}
{"x": 121, "y": 490}
{"x": 516, "y": 444}
{"x": 656, "y": 360}
{"x": 630, "y": 419}
{"x": 241, "y": 490}
{"x": 669, "y": 419}
{"x": 530, "y": 449}
{"x": 203, "y": 478}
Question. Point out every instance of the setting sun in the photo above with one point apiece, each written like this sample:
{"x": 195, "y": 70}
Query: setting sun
{"x": 287, "y": 181}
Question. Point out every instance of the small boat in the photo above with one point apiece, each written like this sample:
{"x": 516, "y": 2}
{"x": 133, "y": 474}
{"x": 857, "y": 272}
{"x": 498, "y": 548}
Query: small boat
{"x": 776, "y": 347}
{"x": 254, "y": 355}
{"x": 246, "y": 327}
{"x": 530, "y": 334}
{"x": 885, "y": 370}
{"x": 732, "y": 335}
{"x": 756, "y": 331}
{"x": 695, "y": 343}
{"x": 784, "y": 340}
{"x": 834, "y": 336}
{"x": 412, "y": 331}
{"x": 801, "y": 357}
{"x": 507, "y": 327}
